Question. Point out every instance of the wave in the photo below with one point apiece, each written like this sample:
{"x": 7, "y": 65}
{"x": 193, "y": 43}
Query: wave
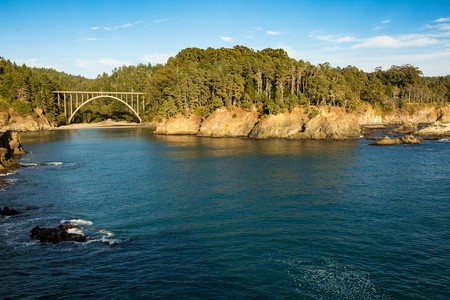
{"x": 445, "y": 140}
{"x": 8, "y": 173}
{"x": 78, "y": 222}
{"x": 55, "y": 163}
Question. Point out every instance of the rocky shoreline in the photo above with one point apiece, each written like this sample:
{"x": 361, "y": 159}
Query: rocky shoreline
{"x": 306, "y": 123}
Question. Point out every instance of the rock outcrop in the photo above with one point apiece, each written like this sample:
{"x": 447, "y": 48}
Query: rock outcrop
{"x": 437, "y": 128}
{"x": 407, "y": 139}
{"x": 280, "y": 125}
{"x": 10, "y": 145}
{"x": 62, "y": 233}
{"x": 12, "y": 120}
{"x": 8, "y": 211}
{"x": 406, "y": 128}
{"x": 223, "y": 123}
{"x": 180, "y": 125}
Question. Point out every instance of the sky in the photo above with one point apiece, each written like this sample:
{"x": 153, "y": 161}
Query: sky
{"x": 91, "y": 37}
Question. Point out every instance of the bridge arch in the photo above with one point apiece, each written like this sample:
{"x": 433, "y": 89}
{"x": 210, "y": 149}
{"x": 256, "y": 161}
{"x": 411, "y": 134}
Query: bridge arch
{"x": 104, "y": 96}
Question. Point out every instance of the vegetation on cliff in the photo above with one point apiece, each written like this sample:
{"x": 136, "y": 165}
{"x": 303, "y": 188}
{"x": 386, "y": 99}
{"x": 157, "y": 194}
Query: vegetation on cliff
{"x": 199, "y": 81}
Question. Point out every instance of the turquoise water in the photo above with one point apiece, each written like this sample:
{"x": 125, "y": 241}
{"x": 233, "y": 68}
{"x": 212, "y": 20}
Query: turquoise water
{"x": 188, "y": 217}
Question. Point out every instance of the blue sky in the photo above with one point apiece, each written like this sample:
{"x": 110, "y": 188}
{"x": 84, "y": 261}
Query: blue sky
{"x": 91, "y": 37}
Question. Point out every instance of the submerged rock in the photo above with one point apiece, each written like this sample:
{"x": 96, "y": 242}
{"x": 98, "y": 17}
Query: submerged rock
{"x": 8, "y": 211}
{"x": 57, "y": 235}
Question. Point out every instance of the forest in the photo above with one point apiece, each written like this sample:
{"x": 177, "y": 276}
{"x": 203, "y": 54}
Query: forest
{"x": 199, "y": 81}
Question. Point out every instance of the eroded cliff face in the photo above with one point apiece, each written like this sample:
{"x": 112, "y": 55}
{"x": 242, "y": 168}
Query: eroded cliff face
{"x": 10, "y": 145}
{"x": 180, "y": 125}
{"x": 327, "y": 123}
{"x": 223, "y": 123}
{"x": 12, "y": 120}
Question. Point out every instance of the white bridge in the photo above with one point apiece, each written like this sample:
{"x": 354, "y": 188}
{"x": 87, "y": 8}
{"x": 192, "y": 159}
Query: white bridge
{"x": 74, "y": 100}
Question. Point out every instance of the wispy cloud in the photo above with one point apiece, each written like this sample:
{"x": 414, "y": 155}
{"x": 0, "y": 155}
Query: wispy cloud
{"x": 259, "y": 28}
{"x": 156, "y": 58}
{"x": 270, "y": 32}
{"x": 440, "y": 20}
{"x": 394, "y": 42}
{"x": 226, "y": 38}
{"x": 385, "y": 21}
{"x": 126, "y": 25}
{"x": 337, "y": 39}
{"x": 160, "y": 20}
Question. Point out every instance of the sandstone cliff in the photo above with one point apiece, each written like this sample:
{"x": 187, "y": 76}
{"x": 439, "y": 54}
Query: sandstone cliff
{"x": 10, "y": 145}
{"x": 224, "y": 123}
{"x": 180, "y": 125}
{"x": 12, "y": 120}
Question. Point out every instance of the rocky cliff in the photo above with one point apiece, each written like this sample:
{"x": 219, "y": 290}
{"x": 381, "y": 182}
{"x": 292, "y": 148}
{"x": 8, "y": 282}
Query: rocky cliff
{"x": 224, "y": 123}
{"x": 180, "y": 125}
{"x": 313, "y": 123}
{"x": 10, "y": 145}
{"x": 12, "y": 120}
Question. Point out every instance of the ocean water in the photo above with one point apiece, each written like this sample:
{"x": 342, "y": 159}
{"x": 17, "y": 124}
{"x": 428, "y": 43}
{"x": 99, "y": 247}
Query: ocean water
{"x": 205, "y": 218}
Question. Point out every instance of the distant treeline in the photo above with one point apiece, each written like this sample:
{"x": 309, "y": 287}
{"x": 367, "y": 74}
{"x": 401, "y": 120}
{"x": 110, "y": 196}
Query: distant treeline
{"x": 198, "y": 80}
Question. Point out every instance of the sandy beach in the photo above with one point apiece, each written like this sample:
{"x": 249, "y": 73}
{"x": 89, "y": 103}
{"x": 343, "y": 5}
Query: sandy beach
{"x": 102, "y": 125}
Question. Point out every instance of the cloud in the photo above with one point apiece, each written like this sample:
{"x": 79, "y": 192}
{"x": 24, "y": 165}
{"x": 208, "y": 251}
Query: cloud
{"x": 385, "y": 21}
{"x": 92, "y": 39}
{"x": 126, "y": 25}
{"x": 226, "y": 38}
{"x": 156, "y": 58}
{"x": 332, "y": 38}
{"x": 440, "y": 20}
{"x": 270, "y": 32}
{"x": 160, "y": 20}
{"x": 385, "y": 41}
{"x": 95, "y": 28}
{"x": 259, "y": 28}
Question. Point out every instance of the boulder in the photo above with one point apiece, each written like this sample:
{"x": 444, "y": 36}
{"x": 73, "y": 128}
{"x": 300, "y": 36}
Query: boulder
{"x": 409, "y": 139}
{"x": 57, "y": 235}
{"x": 386, "y": 141}
{"x": 406, "y": 128}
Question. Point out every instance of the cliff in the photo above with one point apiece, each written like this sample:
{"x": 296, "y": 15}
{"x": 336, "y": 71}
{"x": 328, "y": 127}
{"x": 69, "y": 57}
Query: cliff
{"x": 10, "y": 145}
{"x": 180, "y": 125}
{"x": 224, "y": 123}
{"x": 12, "y": 120}
{"x": 333, "y": 123}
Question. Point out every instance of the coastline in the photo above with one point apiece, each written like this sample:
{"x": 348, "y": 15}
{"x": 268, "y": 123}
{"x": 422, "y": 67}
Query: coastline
{"x": 101, "y": 125}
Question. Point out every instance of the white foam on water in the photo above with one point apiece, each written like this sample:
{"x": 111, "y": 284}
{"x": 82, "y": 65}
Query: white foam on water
{"x": 55, "y": 163}
{"x": 106, "y": 233}
{"x": 28, "y": 164}
{"x": 8, "y": 173}
{"x": 444, "y": 140}
{"x": 77, "y": 222}
{"x": 75, "y": 230}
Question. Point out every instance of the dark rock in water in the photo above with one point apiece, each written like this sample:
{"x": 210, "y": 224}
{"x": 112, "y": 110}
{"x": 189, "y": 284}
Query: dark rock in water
{"x": 57, "y": 235}
{"x": 8, "y": 212}
{"x": 42, "y": 164}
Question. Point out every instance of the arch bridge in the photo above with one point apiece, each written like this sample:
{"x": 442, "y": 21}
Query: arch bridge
{"x": 74, "y": 100}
